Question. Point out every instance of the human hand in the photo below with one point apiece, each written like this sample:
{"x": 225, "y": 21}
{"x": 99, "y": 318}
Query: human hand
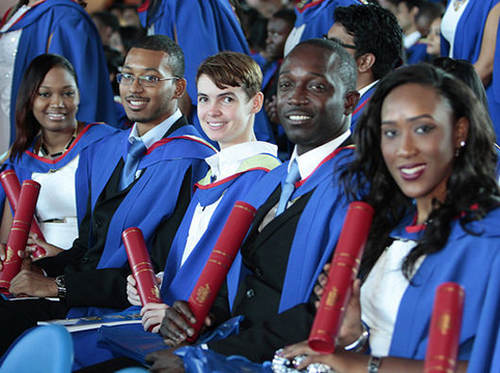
{"x": 176, "y": 325}
{"x": 132, "y": 293}
{"x": 351, "y": 327}
{"x": 31, "y": 281}
{"x": 3, "y": 254}
{"x": 340, "y": 362}
{"x": 34, "y": 241}
{"x": 152, "y": 316}
{"x": 165, "y": 361}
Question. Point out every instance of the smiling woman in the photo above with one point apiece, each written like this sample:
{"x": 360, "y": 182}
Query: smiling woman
{"x": 48, "y": 141}
{"x": 425, "y": 148}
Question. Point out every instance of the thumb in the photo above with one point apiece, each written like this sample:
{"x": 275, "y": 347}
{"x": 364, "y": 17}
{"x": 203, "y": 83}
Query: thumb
{"x": 26, "y": 264}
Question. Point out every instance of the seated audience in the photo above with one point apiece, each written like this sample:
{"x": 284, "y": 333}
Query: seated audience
{"x": 292, "y": 236}
{"x": 139, "y": 178}
{"x": 424, "y": 148}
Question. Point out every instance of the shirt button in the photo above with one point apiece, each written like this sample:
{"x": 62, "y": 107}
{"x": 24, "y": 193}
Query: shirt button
{"x": 258, "y": 272}
{"x": 250, "y": 293}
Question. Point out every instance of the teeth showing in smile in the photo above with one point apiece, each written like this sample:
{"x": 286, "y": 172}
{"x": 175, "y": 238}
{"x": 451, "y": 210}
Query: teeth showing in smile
{"x": 56, "y": 116}
{"x": 412, "y": 170}
{"x": 215, "y": 124}
{"x": 299, "y": 117}
{"x": 137, "y": 103}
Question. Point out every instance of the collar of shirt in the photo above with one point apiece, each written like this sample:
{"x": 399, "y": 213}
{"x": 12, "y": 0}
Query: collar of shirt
{"x": 365, "y": 89}
{"x": 226, "y": 162}
{"x": 310, "y": 160}
{"x": 411, "y": 39}
{"x": 157, "y": 132}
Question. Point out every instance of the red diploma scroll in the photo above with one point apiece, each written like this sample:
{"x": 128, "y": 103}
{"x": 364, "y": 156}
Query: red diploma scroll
{"x": 444, "y": 334}
{"x": 343, "y": 270}
{"x": 140, "y": 263}
{"x": 12, "y": 188}
{"x": 18, "y": 235}
{"x": 219, "y": 262}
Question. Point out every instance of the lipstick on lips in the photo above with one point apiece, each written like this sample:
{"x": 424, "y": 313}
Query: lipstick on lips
{"x": 412, "y": 172}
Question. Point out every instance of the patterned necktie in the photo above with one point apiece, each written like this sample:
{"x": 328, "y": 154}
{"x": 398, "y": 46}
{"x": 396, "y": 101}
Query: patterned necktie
{"x": 288, "y": 187}
{"x": 135, "y": 151}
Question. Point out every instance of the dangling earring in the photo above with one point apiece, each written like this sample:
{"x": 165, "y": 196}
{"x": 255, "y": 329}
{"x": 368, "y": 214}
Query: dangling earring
{"x": 457, "y": 150}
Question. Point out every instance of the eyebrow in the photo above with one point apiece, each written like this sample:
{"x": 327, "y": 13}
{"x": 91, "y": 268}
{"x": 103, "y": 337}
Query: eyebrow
{"x": 146, "y": 69}
{"x": 309, "y": 72}
{"x": 50, "y": 87}
{"x": 223, "y": 94}
{"x": 412, "y": 119}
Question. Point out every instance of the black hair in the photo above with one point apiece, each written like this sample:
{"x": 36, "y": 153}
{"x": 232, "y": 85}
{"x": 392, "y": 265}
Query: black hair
{"x": 464, "y": 71}
{"x": 27, "y": 126}
{"x": 288, "y": 15}
{"x": 165, "y": 44}
{"x": 108, "y": 19}
{"x": 472, "y": 189}
{"x": 375, "y": 30}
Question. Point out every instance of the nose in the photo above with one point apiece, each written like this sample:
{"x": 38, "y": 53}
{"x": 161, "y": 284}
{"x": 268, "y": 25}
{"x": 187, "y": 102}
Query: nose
{"x": 407, "y": 146}
{"x": 213, "y": 109}
{"x": 56, "y": 100}
{"x": 297, "y": 96}
{"x": 136, "y": 86}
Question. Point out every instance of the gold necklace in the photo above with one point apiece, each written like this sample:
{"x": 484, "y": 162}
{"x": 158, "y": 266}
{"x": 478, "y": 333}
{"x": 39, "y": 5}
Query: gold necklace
{"x": 458, "y": 4}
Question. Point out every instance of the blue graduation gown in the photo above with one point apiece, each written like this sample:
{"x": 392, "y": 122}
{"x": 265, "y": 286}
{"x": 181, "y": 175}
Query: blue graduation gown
{"x": 474, "y": 263}
{"x": 151, "y": 199}
{"x": 318, "y": 227}
{"x": 417, "y": 53}
{"x": 163, "y": 163}
{"x": 467, "y": 45}
{"x": 179, "y": 281}
{"x": 360, "y": 107}
{"x": 63, "y": 27}
{"x": 317, "y": 16}
{"x": 30, "y": 162}
{"x": 202, "y": 28}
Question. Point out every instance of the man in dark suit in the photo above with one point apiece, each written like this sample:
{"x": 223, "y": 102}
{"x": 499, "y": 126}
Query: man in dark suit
{"x": 292, "y": 236}
{"x": 138, "y": 178}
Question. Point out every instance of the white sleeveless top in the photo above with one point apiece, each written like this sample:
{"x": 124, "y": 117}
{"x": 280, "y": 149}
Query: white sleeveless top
{"x": 56, "y": 205}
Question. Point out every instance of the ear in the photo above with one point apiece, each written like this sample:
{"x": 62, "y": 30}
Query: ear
{"x": 180, "y": 87}
{"x": 461, "y": 132}
{"x": 365, "y": 62}
{"x": 257, "y": 102}
{"x": 351, "y": 99}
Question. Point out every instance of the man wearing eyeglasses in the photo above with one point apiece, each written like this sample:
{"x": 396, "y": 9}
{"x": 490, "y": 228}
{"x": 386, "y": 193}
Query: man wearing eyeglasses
{"x": 371, "y": 35}
{"x": 142, "y": 178}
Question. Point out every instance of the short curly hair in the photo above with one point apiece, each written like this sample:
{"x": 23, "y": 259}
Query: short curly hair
{"x": 375, "y": 30}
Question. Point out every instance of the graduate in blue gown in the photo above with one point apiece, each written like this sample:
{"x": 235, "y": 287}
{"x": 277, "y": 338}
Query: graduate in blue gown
{"x": 424, "y": 148}
{"x": 470, "y": 33}
{"x": 50, "y": 139}
{"x": 228, "y": 99}
{"x": 300, "y": 206}
{"x": 64, "y": 27}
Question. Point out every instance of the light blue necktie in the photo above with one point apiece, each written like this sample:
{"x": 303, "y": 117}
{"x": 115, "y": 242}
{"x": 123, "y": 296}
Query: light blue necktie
{"x": 288, "y": 187}
{"x": 135, "y": 151}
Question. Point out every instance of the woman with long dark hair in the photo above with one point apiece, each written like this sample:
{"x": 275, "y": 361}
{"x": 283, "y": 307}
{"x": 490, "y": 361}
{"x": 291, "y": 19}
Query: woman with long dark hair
{"x": 426, "y": 163}
{"x": 48, "y": 142}
{"x": 34, "y": 27}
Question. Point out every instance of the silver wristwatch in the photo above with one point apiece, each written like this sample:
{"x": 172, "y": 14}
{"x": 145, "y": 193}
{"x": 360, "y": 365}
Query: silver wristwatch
{"x": 61, "y": 287}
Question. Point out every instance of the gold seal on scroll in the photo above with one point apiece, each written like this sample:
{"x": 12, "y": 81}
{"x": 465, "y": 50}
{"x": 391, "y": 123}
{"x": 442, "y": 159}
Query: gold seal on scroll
{"x": 332, "y": 297}
{"x": 202, "y": 293}
{"x": 445, "y": 323}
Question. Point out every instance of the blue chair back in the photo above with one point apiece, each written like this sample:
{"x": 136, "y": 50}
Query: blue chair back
{"x": 43, "y": 349}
